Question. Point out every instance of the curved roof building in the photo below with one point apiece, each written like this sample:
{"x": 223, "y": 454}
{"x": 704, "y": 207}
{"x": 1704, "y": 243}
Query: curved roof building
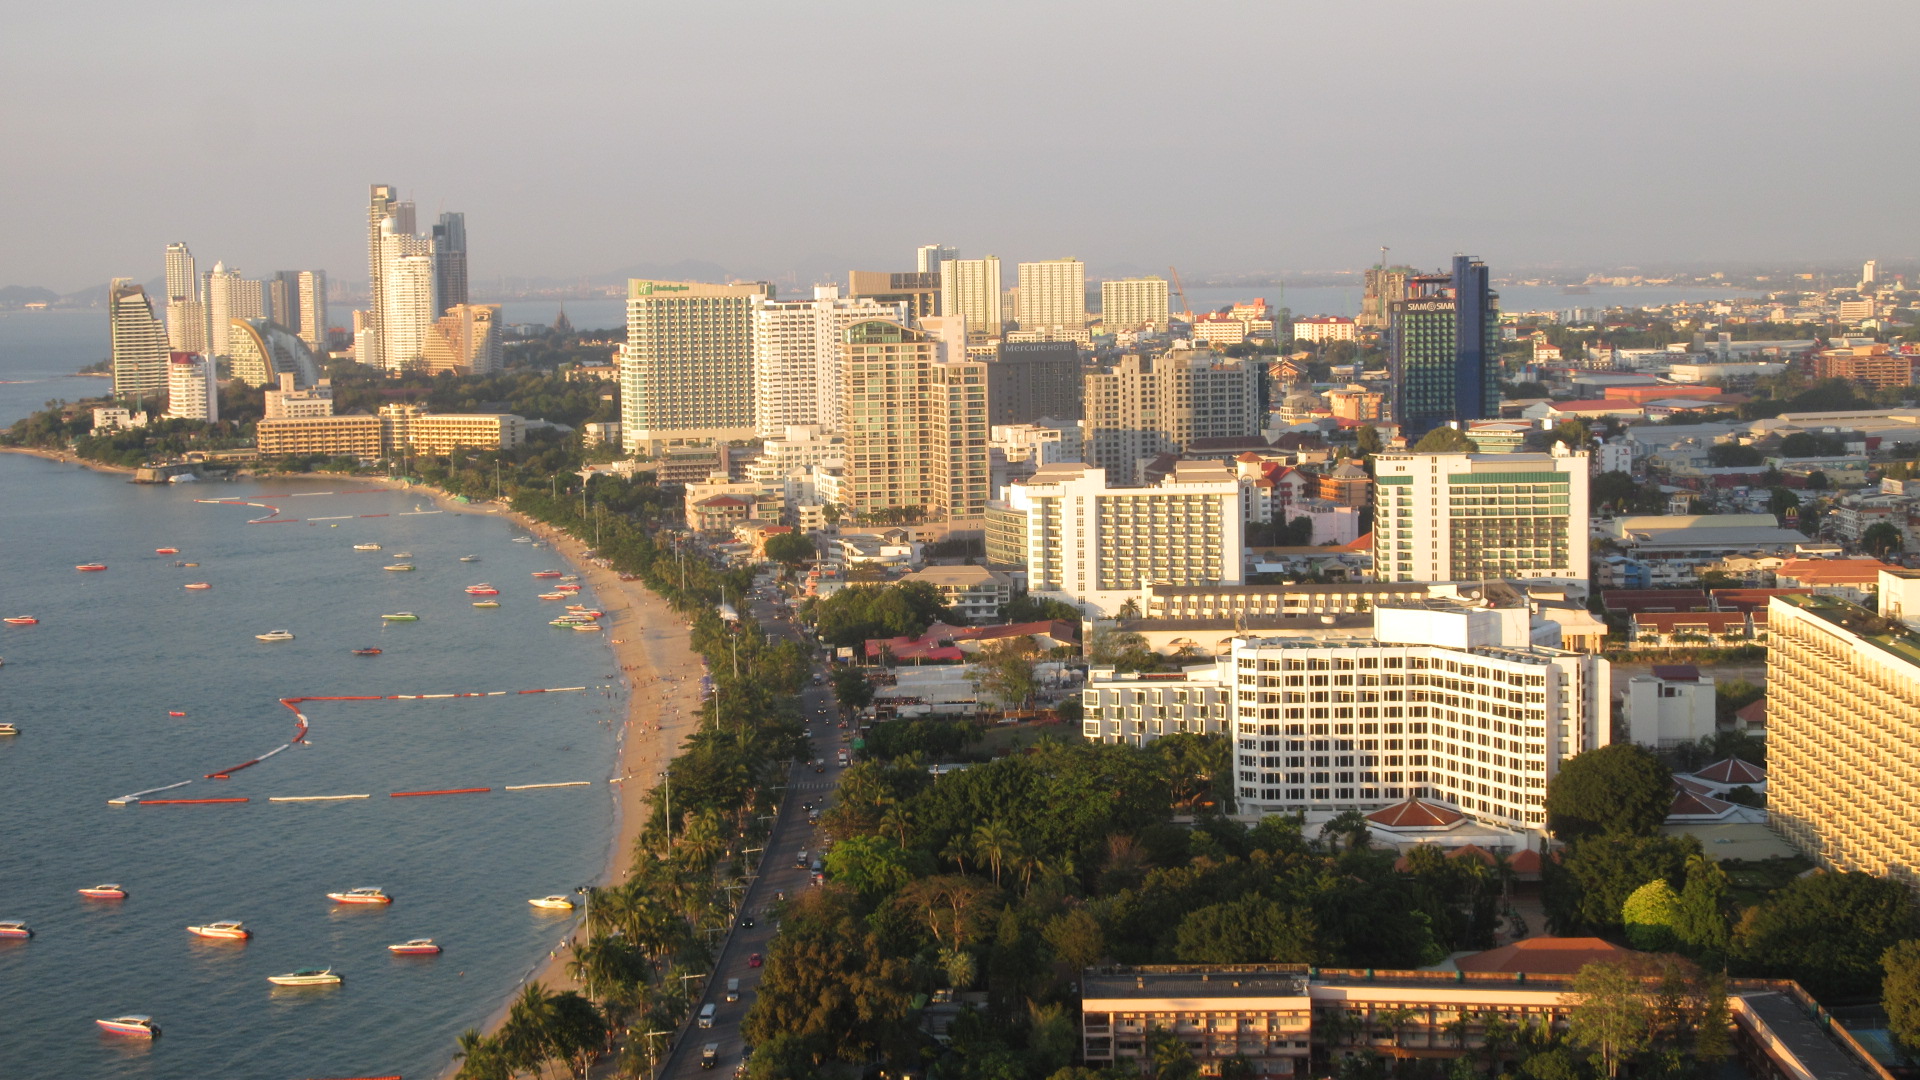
{"x": 258, "y": 351}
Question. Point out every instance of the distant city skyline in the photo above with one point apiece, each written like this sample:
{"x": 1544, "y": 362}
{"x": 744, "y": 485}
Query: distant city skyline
{"x": 1632, "y": 132}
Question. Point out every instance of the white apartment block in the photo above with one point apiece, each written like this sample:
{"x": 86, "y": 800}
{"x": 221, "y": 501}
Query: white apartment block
{"x": 138, "y": 341}
{"x": 1053, "y": 295}
{"x": 288, "y": 403}
{"x": 407, "y": 294}
{"x": 686, "y": 377}
{"x": 1093, "y": 546}
{"x": 1472, "y": 517}
{"x": 785, "y": 465}
{"x": 1133, "y": 304}
{"x": 797, "y": 373}
{"x": 970, "y": 289}
{"x": 1136, "y": 708}
{"x": 192, "y": 393}
{"x": 1144, "y": 406}
{"x": 313, "y": 310}
{"x": 1447, "y": 703}
{"x": 1321, "y": 328}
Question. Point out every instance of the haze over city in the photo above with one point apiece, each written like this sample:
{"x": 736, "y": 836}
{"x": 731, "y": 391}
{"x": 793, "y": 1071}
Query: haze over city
{"x": 588, "y": 138}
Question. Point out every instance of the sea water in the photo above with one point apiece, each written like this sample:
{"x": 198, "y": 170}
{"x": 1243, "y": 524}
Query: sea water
{"x": 92, "y": 688}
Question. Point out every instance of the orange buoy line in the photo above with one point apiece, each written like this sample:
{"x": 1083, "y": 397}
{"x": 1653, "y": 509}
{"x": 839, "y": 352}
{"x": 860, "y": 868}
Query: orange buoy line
{"x": 302, "y": 726}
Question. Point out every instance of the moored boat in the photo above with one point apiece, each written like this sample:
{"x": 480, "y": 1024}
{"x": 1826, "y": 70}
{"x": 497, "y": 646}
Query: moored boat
{"x": 482, "y": 589}
{"x": 140, "y": 1027}
{"x": 366, "y": 894}
{"x": 398, "y": 567}
{"x": 401, "y": 616}
{"x": 403, "y": 554}
{"x": 553, "y": 596}
{"x": 546, "y": 573}
{"x": 91, "y": 567}
{"x": 199, "y": 585}
{"x": 104, "y": 892}
{"x": 21, "y": 620}
{"x": 223, "y": 929}
{"x": 566, "y": 588}
{"x": 9, "y": 729}
{"x": 556, "y": 902}
{"x": 275, "y": 635}
{"x": 366, "y": 547}
{"x": 306, "y": 977}
{"x": 14, "y": 928}
{"x": 587, "y": 626}
{"x": 166, "y": 551}
{"x": 486, "y": 603}
{"x": 366, "y": 652}
{"x": 469, "y": 558}
{"x": 420, "y": 946}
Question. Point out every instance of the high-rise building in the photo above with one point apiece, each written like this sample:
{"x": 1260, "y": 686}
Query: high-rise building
{"x": 919, "y": 291}
{"x": 383, "y": 204}
{"x": 1092, "y": 545}
{"x": 192, "y": 393}
{"x": 916, "y": 429}
{"x": 228, "y": 297}
{"x": 288, "y": 402}
{"x": 1443, "y": 349}
{"x": 798, "y": 378}
{"x": 139, "y": 342}
{"x": 1447, "y": 703}
{"x": 313, "y": 310}
{"x": 1843, "y": 718}
{"x": 1385, "y": 287}
{"x": 449, "y": 244}
{"x": 1133, "y": 304}
{"x": 283, "y": 299}
{"x": 1053, "y": 295}
{"x": 1868, "y": 272}
{"x": 1474, "y": 517}
{"x": 406, "y": 295}
{"x": 686, "y": 376}
{"x": 186, "y": 317}
{"x": 260, "y": 351}
{"x": 182, "y": 282}
{"x": 970, "y": 288}
{"x": 928, "y": 257}
{"x": 1030, "y": 380}
{"x": 466, "y": 341}
{"x": 1144, "y": 406}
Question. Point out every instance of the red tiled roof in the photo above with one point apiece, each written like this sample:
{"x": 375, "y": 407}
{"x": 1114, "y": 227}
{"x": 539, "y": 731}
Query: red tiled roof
{"x": 723, "y": 500}
{"x": 1688, "y": 805}
{"x": 1543, "y": 956}
{"x": 1473, "y": 851}
{"x": 1754, "y": 715}
{"x": 1732, "y": 771}
{"x": 1833, "y": 571}
{"x": 1524, "y": 862}
{"x": 1414, "y": 814}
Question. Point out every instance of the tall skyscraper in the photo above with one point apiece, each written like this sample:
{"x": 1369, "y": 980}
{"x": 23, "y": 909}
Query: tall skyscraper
{"x": 1053, "y": 295}
{"x": 1133, "y": 304}
{"x": 449, "y": 245}
{"x": 186, "y": 312}
{"x": 192, "y": 393}
{"x": 916, "y": 426}
{"x": 313, "y": 310}
{"x": 229, "y": 296}
{"x": 970, "y": 289}
{"x": 1471, "y": 517}
{"x": 686, "y": 377}
{"x": 383, "y": 204}
{"x": 1385, "y": 287}
{"x": 283, "y": 299}
{"x": 797, "y": 358}
{"x": 928, "y": 257}
{"x": 406, "y": 294}
{"x": 139, "y": 342}
{"x": 1443, "y": 349}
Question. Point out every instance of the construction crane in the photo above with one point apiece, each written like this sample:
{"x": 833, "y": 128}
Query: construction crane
{"x": 1186, "y": 309}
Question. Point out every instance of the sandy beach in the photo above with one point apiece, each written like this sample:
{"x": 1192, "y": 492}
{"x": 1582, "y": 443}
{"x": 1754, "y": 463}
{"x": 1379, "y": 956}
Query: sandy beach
{"x": 66, "y": 459}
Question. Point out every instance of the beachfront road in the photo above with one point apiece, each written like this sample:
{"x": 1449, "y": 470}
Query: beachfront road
{"x": 778, "y": 874}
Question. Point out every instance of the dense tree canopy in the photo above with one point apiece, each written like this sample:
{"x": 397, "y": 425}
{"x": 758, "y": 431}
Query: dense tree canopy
{"x": 861, "y": 612}
{"x": 1616, "y": 790}
{"x": 1828, "y": 931}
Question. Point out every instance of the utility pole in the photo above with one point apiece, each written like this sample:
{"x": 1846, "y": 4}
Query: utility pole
{"x": 668, "y": 777}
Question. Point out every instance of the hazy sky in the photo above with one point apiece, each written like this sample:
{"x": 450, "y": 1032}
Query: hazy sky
{"x": 766, "y": 136}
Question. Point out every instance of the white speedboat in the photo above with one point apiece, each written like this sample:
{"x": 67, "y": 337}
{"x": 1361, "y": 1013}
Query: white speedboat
{"x": 370, "y": 894}
{"x": 366, "y": 547}
{"x": 275, "y": 635}
{"x": 420, "y": 946}
{"x": 9, "y": 729}
{"x": 306, "y": 977}
{"x": 140, "y": 1027}
{"x": 469, "y": 558}
{"x": 104, "y": 892}
{"x": 224, "y": 929}
{"x": 556, "y": 902}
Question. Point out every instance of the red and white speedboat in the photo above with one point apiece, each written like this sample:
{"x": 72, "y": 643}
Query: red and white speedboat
{"x": 225, "y": 929}
{"x": 166, "y": 551}
{"x": 140, "y": 1027}
{"x": 21, "y": 620}
{"x": 420, "y": 946}
{"x": 553, "y": 596}
{"x": 482, "y": 589}
{"x": 14, "y": 928}
{"x": 371, "y": 894}
{"x": 104, "y": 892}
{"x": 89, "y": 567}
{"x": 200, "y": 585}
{"x": 536, "y": 573}
{"x": 566, "y": 588}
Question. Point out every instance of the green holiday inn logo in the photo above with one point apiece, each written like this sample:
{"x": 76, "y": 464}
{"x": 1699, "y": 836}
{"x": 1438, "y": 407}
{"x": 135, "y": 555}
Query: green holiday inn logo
{"x": 648, "y": 288}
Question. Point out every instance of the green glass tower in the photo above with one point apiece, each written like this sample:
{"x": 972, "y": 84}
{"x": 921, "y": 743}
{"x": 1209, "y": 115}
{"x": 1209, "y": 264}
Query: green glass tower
{"x": 1443, "y": 342}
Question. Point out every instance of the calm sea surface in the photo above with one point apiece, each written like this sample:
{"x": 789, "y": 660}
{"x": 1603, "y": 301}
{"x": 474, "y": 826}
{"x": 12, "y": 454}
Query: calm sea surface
{"x": 115, "y": 653}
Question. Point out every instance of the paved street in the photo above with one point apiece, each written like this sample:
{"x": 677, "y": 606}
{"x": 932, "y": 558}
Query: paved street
{"x": 779, "y": 874}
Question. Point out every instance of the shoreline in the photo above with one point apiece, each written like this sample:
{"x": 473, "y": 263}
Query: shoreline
{"x": 66, "y": 459}
{"x": 662, "y": 674}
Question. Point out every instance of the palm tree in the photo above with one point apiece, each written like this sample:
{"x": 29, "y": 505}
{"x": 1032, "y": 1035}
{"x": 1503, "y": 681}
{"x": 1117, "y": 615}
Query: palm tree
{"x": 602, "y": 965}
{"x": 895, "y": 821}
{"x": 526, "y": 1039}
{"x": 960, "y": 968}
{"x": 993, "y": 842}
{"x": 479, "y": 1058}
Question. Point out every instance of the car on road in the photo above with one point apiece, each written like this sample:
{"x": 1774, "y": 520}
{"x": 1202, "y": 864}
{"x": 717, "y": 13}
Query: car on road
{"x": 819, "y": 766}
{"x": 753, "y": 959}
{"x": 746, "y": 922}
{"x": 709, "y": 1055}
